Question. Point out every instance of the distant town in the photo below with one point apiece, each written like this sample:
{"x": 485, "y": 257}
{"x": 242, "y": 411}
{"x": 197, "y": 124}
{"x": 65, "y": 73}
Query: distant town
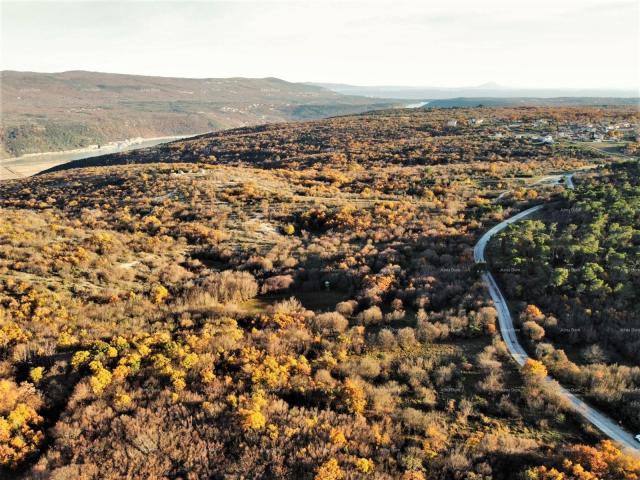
{"x": 547, "y": 130}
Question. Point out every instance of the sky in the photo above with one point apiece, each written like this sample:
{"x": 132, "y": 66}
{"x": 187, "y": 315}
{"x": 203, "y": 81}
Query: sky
{"x": 446, "y": 43}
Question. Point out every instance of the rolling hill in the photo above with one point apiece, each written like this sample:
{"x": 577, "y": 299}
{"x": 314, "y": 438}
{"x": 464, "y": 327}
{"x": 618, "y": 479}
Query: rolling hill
{"x": 487, "y": 90}
{"x": 466, "y": 102}
{"x": 61, "y": 111}
{"x": 358, "y": 139}
{"x": 300, "y": 301}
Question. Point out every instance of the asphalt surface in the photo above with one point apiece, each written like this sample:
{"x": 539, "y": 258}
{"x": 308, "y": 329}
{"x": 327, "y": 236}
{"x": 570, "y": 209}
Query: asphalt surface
{"x": 606, "y": 425}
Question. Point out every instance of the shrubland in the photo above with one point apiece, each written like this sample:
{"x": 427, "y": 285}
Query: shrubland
{"x": 292, "y": 301}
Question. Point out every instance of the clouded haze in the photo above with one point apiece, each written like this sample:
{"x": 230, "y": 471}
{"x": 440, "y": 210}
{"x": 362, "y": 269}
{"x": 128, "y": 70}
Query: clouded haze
{"x": 541, "y": 43}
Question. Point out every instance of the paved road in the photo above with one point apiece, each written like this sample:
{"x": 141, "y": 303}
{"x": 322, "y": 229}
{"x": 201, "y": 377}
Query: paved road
{"x": 609, "y": 427}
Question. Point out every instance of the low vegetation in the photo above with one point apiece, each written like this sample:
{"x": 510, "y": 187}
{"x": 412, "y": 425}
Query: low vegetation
{"x": 295, "y": 301}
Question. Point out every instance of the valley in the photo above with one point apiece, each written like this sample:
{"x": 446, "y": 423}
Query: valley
{"x": 33, "y": 163}
{"x": 71, "y": 110}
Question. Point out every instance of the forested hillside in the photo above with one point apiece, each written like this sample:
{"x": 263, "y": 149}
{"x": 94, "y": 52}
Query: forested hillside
{"x": 294, "y": 301}
{"x": 395, "y": 138}
{"x": 578, "y": 268}
{"x": 60, "y": 111}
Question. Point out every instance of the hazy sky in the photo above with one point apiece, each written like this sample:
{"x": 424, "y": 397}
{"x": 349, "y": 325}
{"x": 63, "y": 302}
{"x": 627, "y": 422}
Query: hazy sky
{"x": 537, "y": 43}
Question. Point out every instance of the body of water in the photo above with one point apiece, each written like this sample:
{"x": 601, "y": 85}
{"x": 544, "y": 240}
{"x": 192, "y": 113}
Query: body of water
{"x": 416, "y": 105}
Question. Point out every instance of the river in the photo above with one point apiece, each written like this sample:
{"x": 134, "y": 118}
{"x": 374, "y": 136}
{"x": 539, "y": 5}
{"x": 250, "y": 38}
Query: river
{"x": 416, "y": 105}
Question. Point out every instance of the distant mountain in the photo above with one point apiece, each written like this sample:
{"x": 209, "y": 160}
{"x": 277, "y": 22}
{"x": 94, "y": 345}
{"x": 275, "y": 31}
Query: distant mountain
{"x": 530, "y": 102}
{"x": 61, "y": 111}
{"x": 489, "y": 85}
{"x": 490, "y": 89}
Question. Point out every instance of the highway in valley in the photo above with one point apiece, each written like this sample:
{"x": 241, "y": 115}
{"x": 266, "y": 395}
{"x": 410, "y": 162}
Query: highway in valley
{"x": 606, "y": 425}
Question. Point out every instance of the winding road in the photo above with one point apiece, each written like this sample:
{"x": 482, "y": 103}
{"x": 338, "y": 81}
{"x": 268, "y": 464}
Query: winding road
{"x": 606, "y": 425}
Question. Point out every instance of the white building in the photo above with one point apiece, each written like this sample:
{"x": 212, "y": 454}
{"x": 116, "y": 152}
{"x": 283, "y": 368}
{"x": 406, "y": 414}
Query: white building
{"x": 452, "y": 123}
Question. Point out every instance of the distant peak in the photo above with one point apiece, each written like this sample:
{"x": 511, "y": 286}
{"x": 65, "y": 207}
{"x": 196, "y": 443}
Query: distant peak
{"x": 490, "y": 85}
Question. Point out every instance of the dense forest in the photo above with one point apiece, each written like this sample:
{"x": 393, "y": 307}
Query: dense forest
{"x": 577, "y": 268}
{"x": 292, "y": 301}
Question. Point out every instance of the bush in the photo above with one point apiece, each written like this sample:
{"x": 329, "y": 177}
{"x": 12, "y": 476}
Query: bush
{"x": 368, "y": 368}
{"x": 330, "y": 322}
{"x": 386, "y": 339}
{"x": 414, "y": 420}
{"x": 230, "y": 286}
{"x": 346, "y": 308}
{"x": 277, "y": 283}
{"x": 492, "y": 383}
{"x": 406, "y": 337}
{"x": 532, "y": 330}
{"x": 428, "y": 332}
{"x": 372, "y": 315}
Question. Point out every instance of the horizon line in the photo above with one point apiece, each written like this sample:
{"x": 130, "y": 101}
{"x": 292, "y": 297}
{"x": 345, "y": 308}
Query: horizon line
{"x": 489, "y": 85}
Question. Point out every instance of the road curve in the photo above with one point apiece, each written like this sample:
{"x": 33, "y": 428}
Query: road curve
{"x": 606, "y": 425}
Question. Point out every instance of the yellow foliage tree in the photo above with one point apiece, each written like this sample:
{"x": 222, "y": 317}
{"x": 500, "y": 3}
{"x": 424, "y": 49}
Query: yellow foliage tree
{"x": 252, "y": 419}
{"x": 80, "y": 358}
{"x": 329, "y": 470}
{"x": 534, "y": 369}
{"x": 365, "y": 465}
{"x": 159, "y": 294}
{"x": 337, "y": 437}
{"x": 584, "y": 462}
{"x": 122, "y": 401}
{"x": 18, "y": 436}
{"x": 36, "y": 374}
{"x": 251, "y": 415}
{"x": 355, "y": 399}
{"x": 101, "y": 377}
